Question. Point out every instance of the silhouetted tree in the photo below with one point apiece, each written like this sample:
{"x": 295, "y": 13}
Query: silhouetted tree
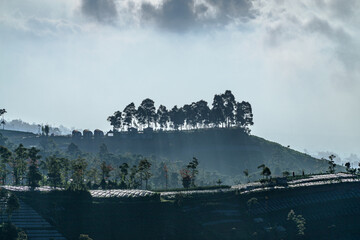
{"x": 116, "y": 120}
{"x": 2, "y": 112}
{"x": 217, "y": 112}
{"x": 146, "y": 112}
{"x": 177, "y": 117}
{"x": 228, "y": 107}
{"x": 244, "y": 116}
{"x": 129, "y": 115}
{"x": 162, "y": 116}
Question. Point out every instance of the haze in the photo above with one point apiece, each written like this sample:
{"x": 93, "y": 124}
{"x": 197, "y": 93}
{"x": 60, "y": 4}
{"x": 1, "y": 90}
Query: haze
{"x": 297, "y": 62}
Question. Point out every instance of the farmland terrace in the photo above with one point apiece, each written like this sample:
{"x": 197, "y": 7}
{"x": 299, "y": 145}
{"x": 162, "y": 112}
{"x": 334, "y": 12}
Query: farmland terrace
{"x": 328, "y": 203}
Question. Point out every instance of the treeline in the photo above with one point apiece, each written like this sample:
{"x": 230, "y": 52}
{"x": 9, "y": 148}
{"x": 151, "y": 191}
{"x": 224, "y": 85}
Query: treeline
{"x": 77, "y": 171}
{"x": 225, "y": 112}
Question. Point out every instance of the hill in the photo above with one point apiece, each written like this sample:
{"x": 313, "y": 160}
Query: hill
{"x": 226, "y": 151}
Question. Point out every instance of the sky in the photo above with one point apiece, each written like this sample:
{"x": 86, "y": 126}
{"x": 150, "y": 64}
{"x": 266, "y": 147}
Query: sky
{"x": 75, "y": 62}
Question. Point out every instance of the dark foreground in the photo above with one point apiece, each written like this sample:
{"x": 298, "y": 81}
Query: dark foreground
{"x": 328, "y": 211}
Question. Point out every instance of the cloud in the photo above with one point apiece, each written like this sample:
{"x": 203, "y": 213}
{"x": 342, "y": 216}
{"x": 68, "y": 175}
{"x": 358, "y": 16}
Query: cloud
{"x": 103, "y": 11}
{"x": 187, "y": 15}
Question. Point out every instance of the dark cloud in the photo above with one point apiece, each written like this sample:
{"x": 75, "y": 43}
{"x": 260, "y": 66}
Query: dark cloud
{"x": 185, "y": 15}
{"x": 101, "y": 10}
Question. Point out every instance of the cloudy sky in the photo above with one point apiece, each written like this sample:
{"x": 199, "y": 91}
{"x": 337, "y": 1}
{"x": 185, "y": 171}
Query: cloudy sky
{"x": 75, "y": 62}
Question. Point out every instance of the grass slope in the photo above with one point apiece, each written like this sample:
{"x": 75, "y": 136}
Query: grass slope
{"x": 227, "y": 151}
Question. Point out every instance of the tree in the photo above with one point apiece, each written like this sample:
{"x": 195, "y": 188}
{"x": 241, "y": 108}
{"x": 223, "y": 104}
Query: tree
{"x": 286, "y": 173}
{"x": 18, "y": 163}
{"x": 162, "y": 116}
{"x": 266, "y": 172}
{"x": 54, "y": 166}
{"x": 116, "y": 120}
{"x": 177, "y": 117}
{"x": 299, "y": 221}
{"x": 202, "y": 113}
{"x": 2, "y": 112}
{"x": 217, "y": 112}
{"x": 244, "y": 116}
{"x": 219, "y": 182}
{"x": 348, "y": 166}
{"x": 146, "y": 112}
{"x": 228, "y": 107}
{"x": 78, "y": 167}
{"x": 5, "y": 155}
{"x": 192, "y": 167}
{"x": 144, "y": 170}
{"x": 124, "y": 170}
{"x": 133, "y": 183}
{"x": 34, "y": 175}
{"x": 332, "y": 164}
{"x": 105, "y": 170}
{"x": 130, "y": 115}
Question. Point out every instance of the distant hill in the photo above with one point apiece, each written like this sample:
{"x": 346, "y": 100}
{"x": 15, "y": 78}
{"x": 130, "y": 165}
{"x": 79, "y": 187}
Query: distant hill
{"x": 227, "y": 151}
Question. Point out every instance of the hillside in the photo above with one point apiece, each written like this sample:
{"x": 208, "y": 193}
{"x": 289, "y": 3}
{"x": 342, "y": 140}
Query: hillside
{"x": 227, "y": 151}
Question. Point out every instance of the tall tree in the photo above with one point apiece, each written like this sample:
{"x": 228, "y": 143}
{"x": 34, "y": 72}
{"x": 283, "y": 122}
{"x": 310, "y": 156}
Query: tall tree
{"x": 217, "y": 111}
{"x": 53, "y": 167}
{"x": 18, "y": 163}
{"x": 78, "y": 167}
{"x": 244, "y": 116}
{"x": 5, "y": 155}
{"x": 192, "y": 166}
{"x": 144, "y": 170}
{"x": 124, "y": 170}
{"x": 228, "y": 107}
{"x": 129, "y": 115}
{"x": 116, "y": 120}
{"x": 34, "y": 175}
{"x": 146, "y": 112}
{"x": 177, "y": 117}
{"x": 105, "y": 170}
{"x": 202, "y": 111}
{"x": 162, "y": 116}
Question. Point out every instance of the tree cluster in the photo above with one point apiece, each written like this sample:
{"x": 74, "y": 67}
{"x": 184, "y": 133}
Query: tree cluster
{"x": 225, "y": 112}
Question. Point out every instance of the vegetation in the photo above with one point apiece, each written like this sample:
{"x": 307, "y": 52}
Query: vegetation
{"x": 225, "y": 112}
{"x": 299, "y": 222}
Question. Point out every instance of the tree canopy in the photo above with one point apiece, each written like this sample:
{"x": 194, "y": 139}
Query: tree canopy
{"x": 225, "y": 112}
